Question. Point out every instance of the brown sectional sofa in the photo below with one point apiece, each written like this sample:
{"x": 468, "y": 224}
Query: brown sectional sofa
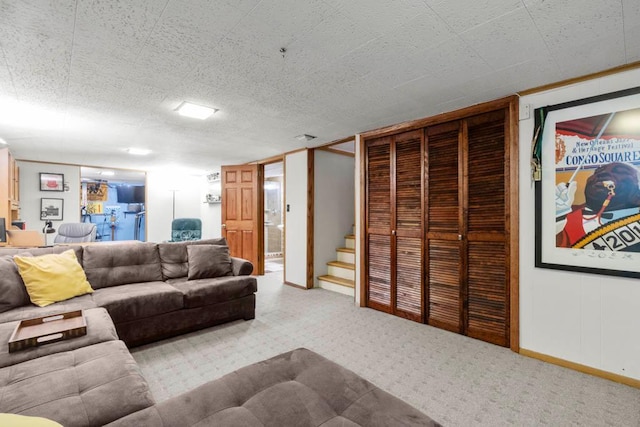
{"x": 142, "y": 294}
{"x": 144, "y": 288}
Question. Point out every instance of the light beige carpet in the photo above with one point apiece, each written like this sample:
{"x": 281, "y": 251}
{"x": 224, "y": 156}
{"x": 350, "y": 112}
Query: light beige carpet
{"x": 456, "y": 380}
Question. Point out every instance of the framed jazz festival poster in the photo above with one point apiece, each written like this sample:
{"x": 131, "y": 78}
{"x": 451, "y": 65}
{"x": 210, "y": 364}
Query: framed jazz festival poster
{"x": 587, "y": 187}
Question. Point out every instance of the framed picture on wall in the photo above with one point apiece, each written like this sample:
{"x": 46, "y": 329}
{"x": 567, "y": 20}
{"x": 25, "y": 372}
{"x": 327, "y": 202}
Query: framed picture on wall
{"x": 51, "y": 181}
{"x": 51, "y": 209}
{"x": 588, "y": 198}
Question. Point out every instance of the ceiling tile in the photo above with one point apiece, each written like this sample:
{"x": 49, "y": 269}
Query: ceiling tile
{"x": 383, "y": 16}
{"x": 507, "y": 40}
{"x": 574, "y": 21}
{"x": 6, "y": 82}
{"x": 45, "y": 28}
{"x": 451, "y": 62}
{"x": 116, "y": 26}
{"x": 429, "y": 90}
{"x": 591, "y": 56}
{"x": 44, "y": 19}
{"x": 463, "y": 15}
{"x": 331, "y": 39}
{"x": 419, "y": 34}
{"x": 631, "y": 21}
{"x": 272, "y": 24}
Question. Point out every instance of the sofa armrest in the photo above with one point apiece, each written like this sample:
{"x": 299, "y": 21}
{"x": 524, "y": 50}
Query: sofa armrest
{"x": 241, "y": 267}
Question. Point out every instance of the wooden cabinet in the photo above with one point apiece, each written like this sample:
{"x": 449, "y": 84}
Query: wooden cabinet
{"x": 9, "y": 187}
{"x": 439, "y": 219}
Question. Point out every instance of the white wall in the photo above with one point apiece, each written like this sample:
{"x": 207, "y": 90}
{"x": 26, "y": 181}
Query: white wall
{"x": 295, "y": 169}
{"x": 30, "y": 194}
{"x": 333, "y": 206}
{"x": 583, "y": 318}
{"x": 190, "y": 193}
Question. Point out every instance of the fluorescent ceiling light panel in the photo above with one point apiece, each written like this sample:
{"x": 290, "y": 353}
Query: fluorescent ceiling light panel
{"x": 138, "y": 151}
{"x": 3, "y": 142}
{"x": 107, "y": 173}
{"x": 200, "y": 112}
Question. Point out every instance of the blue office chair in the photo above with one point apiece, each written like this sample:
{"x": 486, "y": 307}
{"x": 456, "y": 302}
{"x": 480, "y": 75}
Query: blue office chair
{"x": 186, "y": 229}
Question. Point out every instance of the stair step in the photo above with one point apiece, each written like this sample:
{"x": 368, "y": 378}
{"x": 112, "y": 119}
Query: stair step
{"x": 338, "y": 281}
{"x": 346, "y": 250}
{"x": 341, "y": 264}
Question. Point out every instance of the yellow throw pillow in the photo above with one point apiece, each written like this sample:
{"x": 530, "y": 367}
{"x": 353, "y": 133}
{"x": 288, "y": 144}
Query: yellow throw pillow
{"x": 14, "y": 420}
{"x": 52, "y": 278}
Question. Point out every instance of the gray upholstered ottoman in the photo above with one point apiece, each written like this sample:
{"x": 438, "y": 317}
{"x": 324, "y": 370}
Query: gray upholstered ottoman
{"x": 89, "y": 386}
{"x": 298, "y": 388}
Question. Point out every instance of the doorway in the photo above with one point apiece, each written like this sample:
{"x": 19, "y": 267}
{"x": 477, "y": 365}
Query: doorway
{"x": 273, "y": 217}
{"x": 114, "y": 200}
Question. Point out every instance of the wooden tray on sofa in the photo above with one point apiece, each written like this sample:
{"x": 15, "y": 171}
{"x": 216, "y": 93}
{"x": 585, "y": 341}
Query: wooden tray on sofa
{"x": 48, "y": 329}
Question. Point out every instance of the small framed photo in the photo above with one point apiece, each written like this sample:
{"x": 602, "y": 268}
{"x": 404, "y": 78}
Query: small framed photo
{"x": 51, "y": 209}
{"x": 51, "y": 181}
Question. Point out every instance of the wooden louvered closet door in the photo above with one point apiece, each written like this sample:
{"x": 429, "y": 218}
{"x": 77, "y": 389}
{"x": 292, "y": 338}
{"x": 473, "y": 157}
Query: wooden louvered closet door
{"x": 394, "y": 224}
{"x": 439, "y": 243}
{"x": 379, "y": 224}
{"x": 444, "y": 223}
{"x": 408, "y": 289}
{"x": 487, "y": 286}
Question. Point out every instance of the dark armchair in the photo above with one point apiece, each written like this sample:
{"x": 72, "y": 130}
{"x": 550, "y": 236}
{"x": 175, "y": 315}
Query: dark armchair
{"x": 186, "y": 229}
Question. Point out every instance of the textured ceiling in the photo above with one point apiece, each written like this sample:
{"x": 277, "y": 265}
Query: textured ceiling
{"x": 99, "y": 76}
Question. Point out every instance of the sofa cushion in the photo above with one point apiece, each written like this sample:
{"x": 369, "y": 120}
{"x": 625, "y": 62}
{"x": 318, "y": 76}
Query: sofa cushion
{"x": 175, "y": 259}
{"x": 138, "y": 300}
{"x": 31, "y": 311}
{"x": 53, "y": 277}
{"x": 198, "y": 293}
{"x": 119, "y": 264}
{"x": 12, "y": 291}
{"x": 100, "y": 328}
{"x": 208, "y": 261}
{"x": 58, "y": 249}
{"x": 298, "y": 388}
{"x": 88, "y": 386}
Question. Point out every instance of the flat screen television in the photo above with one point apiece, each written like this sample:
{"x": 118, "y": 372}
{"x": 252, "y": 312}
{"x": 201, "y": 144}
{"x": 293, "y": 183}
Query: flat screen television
{"x": 130, "y": 193}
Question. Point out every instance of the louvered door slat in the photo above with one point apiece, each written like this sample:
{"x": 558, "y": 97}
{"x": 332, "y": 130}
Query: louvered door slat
{"x": 444, "y": 284}
{"x": 409, "y": 277}
{"x": 442, "y": 184}
{"x": 379, "y": 186}
{"x": 409, "y": 182}
{"x": 486, "y": 182}
{"x": 487, "y": 292}
{"x": 379, "y": 250}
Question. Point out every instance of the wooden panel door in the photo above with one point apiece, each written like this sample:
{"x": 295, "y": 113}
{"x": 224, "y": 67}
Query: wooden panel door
{"x": 444, "y": 224}
{"x": 242, "y": 217}
{"x": 487, "y": 233}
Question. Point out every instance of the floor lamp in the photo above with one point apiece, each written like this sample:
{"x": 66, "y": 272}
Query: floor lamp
{"x": 173, "y": 204}
{"x": 47, "y": 229}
